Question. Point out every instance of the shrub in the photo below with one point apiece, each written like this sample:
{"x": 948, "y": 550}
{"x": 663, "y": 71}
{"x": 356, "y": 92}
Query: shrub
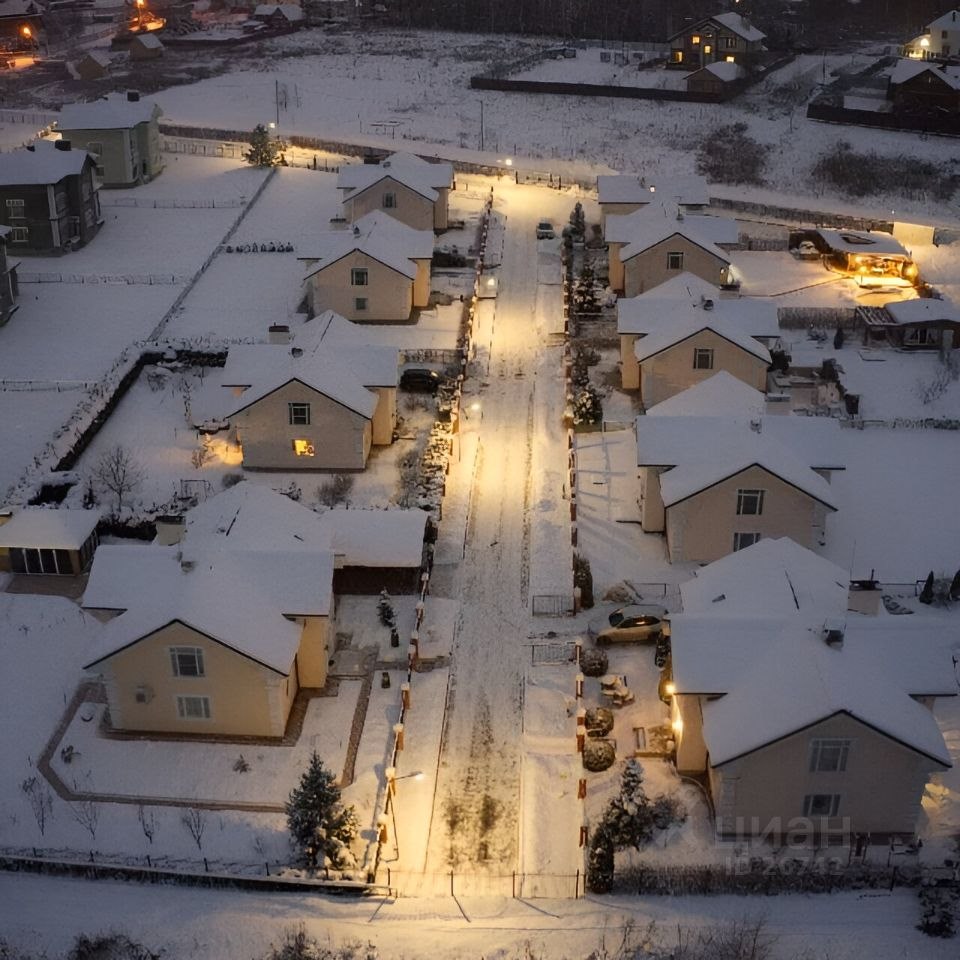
{"x": 587, "y": 405}
{"x": 583, "y": 578}
{"x": 598, "y": 755}
{"x": 335, "y": 490}
{"x": 728, "y": 155}
{"x": 600, "y": 862}
{"x": 594, "y": 663}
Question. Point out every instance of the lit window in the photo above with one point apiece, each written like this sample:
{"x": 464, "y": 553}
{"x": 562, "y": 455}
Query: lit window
{"x": 186, "y": 661}
{"x": 359, "y": 277}
{"x": 731, "y": 59}
{"x": 707, "y": 48}
{"x": 743, "y": 540}
{"x": 703, "y": 358}
{"x": 749, "y": 503}
{"x": 389, "y": 201}
{"x": 695, "y": 39}
{"x": 675, "y": 260}
{"x": 193, "y": 708}
{"x": 829, "y": 756}
{"x": 677, "y": 56}
{"x": 821, "y": 804}
{"x": 360, "y": 303}
{"x": 304, "y": 448}
{"x": 299, "y": 414}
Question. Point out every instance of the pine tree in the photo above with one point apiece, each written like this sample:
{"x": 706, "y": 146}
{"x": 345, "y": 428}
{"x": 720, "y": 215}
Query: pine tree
{"x": 263, "y": 150}
{"x": 955, "y": 587}
{"x": 318, "y": 822}
{"x": 587, "y": 405}
{"x": 926, "y": 594}
{"x": 385, "y": 610}
{"x": 600, "y": 864}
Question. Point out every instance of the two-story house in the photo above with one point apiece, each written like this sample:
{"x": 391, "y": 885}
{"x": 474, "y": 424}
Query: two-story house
{"x": 621, "y": 194}
{"x": 49, "y": 197}
{"x": 939, "y": 41}
{"x": 724, "y": 37}
{"x": 121, "y": 132}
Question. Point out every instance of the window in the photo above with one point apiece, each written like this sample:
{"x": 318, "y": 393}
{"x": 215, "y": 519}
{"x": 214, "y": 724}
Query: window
{"x": 703, "y": 358}
{"x": 360, "y": 303}
{"x": 821, "y": 804}
{"x": 304, "y": 448}
{"x": 695, "y": 39}
{"x": 186, "y": 661}
{"x": 730, "y": 43}
{"x": 15, "y": 208}
{"x": 677, "y": 56}
{"x": 359, "y": 276}
{"x": 749, "y": 503}
{"x": 193, "y": 708}
{"x": 829, "y": 756}
{"x": 299, "y": 414}
{"x": 707, "y": 48}
{"x": 675, "y": 260}
{"x": 731, "y": 59}
{"x": 20, "y": 235}
{"x": 389, "y": 201}
{"x": 742, "y": 540}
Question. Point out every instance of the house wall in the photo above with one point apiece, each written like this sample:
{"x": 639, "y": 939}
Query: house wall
{"x": 722, "y": 42}
{"x": 421, "y": 286}
{"x": 700, "y": 528}
{"x": 615, "y": 271}
{"x": 389, "y": 294}
{"x": 9, "y": 285}
{"x": 148, "y": 146}
{"x": 629, "y": 368}
{"x": 879, "y": 791}
{"x": 672, "y": 371}
{"x": 648, "y": 269}
{"x": 246, "y": 698}
{"x": 412, "y": 208}
{"x": 341, "y": 437}
{"x": 441, "y": 209}
{"x": 385, "y": 416}
{"x": 691, "y": 751}
{"x": 117, "y": 155}
{"x": 314, "y": 653}
{"x": 651, "y": 502}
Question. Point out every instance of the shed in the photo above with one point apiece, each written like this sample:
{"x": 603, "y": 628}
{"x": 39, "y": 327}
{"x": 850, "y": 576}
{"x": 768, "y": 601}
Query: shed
{"x": 45, "y": 541}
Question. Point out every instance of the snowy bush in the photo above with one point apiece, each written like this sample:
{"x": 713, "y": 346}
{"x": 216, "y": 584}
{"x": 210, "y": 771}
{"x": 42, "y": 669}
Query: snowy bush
{"x": 729, "y": 155}
{"x": 600, "y": 862}
{"x": 109, "y": 946}
{"x": 598, "y": 721}
{"x": 938, "y": 916}
{"x": 583, "y": 578}
{"x": 594, "y": 663}
{"x": 335, "y": 490}
{"x": 631, "y": 819}
{"x": 598, "y": 755}
{"x": 587, "y": 406}
{"x": 385, "y": 610}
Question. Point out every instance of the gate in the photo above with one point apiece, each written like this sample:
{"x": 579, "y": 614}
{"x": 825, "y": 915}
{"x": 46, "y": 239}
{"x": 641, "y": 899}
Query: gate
{"x": 553, "y": 651}
{"x": 553, "y": 605}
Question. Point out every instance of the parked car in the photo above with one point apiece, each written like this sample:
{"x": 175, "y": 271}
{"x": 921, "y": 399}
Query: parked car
{"x": 420, "y": 380}
{"x": 631, "y": 624}
{"x": 545, "y": 230}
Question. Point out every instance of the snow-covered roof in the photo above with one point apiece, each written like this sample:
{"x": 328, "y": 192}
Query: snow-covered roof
{"x": 623, "y": 228}
{"x": 240, "y": 598}
{"x": 683, "y": 306}
{"x": 627, "y": 188}
{"x": 655, "y": 230}
{"x": 19, "y": 8}
{"x": 704, "y": 451}
{"x": 671, "y": 335}
{"x": 725, "y": 70}
{"x": 379, "y": 236}
{"x": 949, "y": 21}
{"x": 323, "y": 374}
{"x": 907, "y": 69}
{"x": 113, "y": 112}
{"x": 771, "y": 578}
{"x": 375, "y": 538}
{"x": 41, "y": 163}
{"x": 419, "y": 175}
{"x": 149, "y": 41}
{"x": 779, "y": 676}
{"x": 863, "y": 242}
{"x": 922, "y": 310}
{"x": 291, "y": 12}
{"x": 722, "y": 395}
{"x": 739, "y": 25}
{"x": 97, "y": 56}
{"x": 60, "y": 529}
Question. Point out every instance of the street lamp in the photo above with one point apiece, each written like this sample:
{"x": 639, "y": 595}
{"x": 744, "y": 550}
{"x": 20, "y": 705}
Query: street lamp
{"x": 139, "y": 13}
{"x": 392, "y": 778}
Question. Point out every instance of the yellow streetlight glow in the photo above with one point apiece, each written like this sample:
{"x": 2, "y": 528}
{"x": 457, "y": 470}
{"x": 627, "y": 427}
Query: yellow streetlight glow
{"x": 670, "y": 689}
{"x": 509, "y": 161}
{"x": 677, "y": 725}
{"x": 474, "y": 407}
{"x": 26, "y": 31}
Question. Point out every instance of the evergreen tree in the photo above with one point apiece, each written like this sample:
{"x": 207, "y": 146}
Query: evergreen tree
{"x": 319, "y": 824}
{"x": 263, "y": 151}
{"x": 955, "y": 587}
{"x": 587, "y": 405}
{"x": 600, "y": 864}
{"x": 926, "y": 594}
{"x": 838, "y": 338}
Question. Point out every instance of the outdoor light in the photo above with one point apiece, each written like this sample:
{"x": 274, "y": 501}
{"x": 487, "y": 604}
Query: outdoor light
{"x": 670, "y": 689}
{"x": 924, "y": 42}
{"x": 509, "y": 161}
{"x": 26, "y": 31}
{"x": 678, "y": 725}
{"x": 474, "y": 407}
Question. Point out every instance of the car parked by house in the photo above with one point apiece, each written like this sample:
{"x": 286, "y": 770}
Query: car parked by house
{"x": 420, "y": 380}
{"x": 545, "y": 230}
{"x": 631, "y": 624}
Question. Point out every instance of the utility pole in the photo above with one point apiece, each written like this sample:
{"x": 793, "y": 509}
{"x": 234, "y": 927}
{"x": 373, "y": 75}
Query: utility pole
{"x": 481, "y": 126}
{"x": 276, "y": 100}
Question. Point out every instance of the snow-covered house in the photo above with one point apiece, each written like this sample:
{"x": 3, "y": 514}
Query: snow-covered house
{"x": 720, "y": 79}
{"x": 409, "y": 189}
{"x": 720, "y": 395}
{"x": 940, "y": 40}
{"x": 279, "y": 16}
{"x": 93, "y": 65}
{"x": 146, "y": 46}
{"x": 923, "y": 324}
{"x": 40, "y": 540}
{"x": 317, "y": 402}
{"x": 670, "y": 343}
{"x": 716, "y": 484}
{"x": 724, "y": 37}
{"x": 49, "y": 197}
{"x": 795, "y": 709}
{"x": 122, "y": 132}
{"x": 620, "y": 194}
{"x": 921, "y": 86}
{"x": 375, "y": 270}
{"x": 9, "y": 285}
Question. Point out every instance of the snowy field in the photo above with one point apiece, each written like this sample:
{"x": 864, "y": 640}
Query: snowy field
{"x": 589, "y": 66}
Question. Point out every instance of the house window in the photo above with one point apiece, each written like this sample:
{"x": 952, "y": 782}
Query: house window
{"x": 15, "y": 208}
{"x": 360, "y": 303}
{"x": 677, "y": 56}
{"x": 304, "y": 448}
{"x": 20, "y": 235}
{"x": 359, "y": 277}
{"x": 193, "y": 708}
{"x": 730, "y": 43}
{"x": 675, "y": 260}
{"x": 695, "y": 39}
{"x": 707, "y": 48}
{"x": 703, "y": 358}
{"x": 389, "y": 201}
{"x": 749, "y": 503}
{"x": 828, "y": 756}
{"x": 821, "y": 804}
{"x": 187, "y": 661}
{"x": 731, "y": 59}
{"x": 298, "y": 414}
{"x": 742, "y": 540}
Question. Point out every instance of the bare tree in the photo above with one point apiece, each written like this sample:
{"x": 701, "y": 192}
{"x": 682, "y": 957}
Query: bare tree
{"x": 195, "y": 822}
{"x": 148, "y": 822}
{"x": 119, "y": 472}
{"x": 38, "y": 795}
{"x": 87, "y": 814}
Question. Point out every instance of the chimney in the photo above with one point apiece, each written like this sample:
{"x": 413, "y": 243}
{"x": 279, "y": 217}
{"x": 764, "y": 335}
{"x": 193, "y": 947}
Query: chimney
{"x": 864, "y": 596}
{"x": 757, "y": 425}
{"x": 133, "y": 96}
{"x": 170, "y": 530}
{"x": 278, "y": 333}
{"x": 833, "y": 631}
{"x": 707, "y": 303}
{"x": 356, "y": 230}
{"x": 296, "y": 352}
{"x": 62, "y": 144}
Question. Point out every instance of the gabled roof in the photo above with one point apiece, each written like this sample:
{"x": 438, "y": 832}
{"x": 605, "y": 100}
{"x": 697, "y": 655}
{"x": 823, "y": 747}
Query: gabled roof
{"x": 683, "y": 306}
{"x": 150, "y": 41}
{"x": 627, "y": 188}
{"x": 907, "y": 69}
{"x": 672, "y": 335}
{"x": 326, "y": 377}
{"x": 723, "y": 70}
{"x": 656, "y": 230}
{"x": 625, "y": 228}
{"x": 53, "y": 529}
{"x": 863, "y": 242}
{"x": 41, "y": 163}
{"x": 722, "y": 395}
{"x": 949, "y": 21}
{"x": 241, "y": 599}
{"x": 419, "y": 175}
{"x": 113, "y": 112}
{"x": 772, "y": 578}
{"x": 288, "y": 11}
{"x": 923, "y": 310}
{"x": 739, "y": 25}
{"x": 97, "y": 56}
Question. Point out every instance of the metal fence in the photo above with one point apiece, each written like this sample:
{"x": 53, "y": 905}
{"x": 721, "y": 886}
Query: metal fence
{"x": 204, "y": 148}
{"x": 552, "y": 651}
{"x": 127, "y": 279}
{"x": 553, "y": 886}
{"x": 171, "y": 204}
{"x": 553, "y": 605}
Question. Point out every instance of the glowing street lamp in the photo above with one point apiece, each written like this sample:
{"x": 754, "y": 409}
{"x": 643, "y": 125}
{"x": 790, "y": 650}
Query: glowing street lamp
{"x": 140, "y": 13}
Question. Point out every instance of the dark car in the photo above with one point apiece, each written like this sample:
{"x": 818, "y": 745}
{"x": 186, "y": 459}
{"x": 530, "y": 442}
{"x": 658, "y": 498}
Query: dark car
{"x": 420, "y": 379}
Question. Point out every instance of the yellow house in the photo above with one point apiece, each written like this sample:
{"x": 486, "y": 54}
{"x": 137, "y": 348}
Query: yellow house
{"x": 683, "y": 332}
{"x": 714, "y": 485}
{"x": 376, "y": 270}
{"x": 663, "y": 249}
{"x": 621, "y": 194}
{"x": 407, "y": 188}
{"x": 208, "y": 641}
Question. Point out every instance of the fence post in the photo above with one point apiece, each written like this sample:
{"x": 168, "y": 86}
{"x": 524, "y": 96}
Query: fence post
{"x": 513, "y": 885}
{"x": 576, "y": 888}
{"x": 451, "y": 884}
